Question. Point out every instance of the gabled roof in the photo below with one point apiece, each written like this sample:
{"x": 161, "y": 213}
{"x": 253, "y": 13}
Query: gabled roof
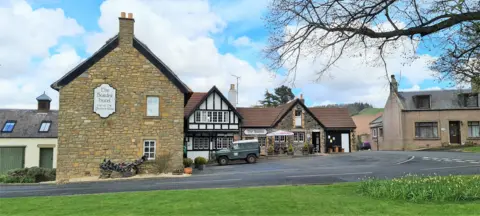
{"x": 110, "y": 45}
{"x": 336, "y": 117}
{"x": 439, "y": 99}
{"x": 269, "y": 117}
{"x": 197, "y": 99}
{"x": 27, "y": 123}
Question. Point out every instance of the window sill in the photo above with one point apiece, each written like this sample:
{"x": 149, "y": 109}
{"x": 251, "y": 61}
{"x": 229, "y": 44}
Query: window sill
{"x": 152, "y": 117}
{"x": 419, "y": 138}
{"x": 473, "y": 138}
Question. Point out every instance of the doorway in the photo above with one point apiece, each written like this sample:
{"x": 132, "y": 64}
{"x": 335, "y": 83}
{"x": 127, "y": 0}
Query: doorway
{"x": 316, "y": 141}
{"x": 454, "y": 127}
{"x": 46, "y": 157}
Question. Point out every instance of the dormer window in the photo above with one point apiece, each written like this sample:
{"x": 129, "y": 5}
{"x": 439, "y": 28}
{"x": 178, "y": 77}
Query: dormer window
{"x": 45, "y": 126}
{"x": 8, "y": 127}
{"x": 468, "y": 100}
{"x": 422, "y": 101}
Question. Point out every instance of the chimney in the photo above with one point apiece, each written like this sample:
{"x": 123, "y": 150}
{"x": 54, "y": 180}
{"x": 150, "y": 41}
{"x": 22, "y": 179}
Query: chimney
{"x": 475, "y": 82}
{"x": 43, "y": 103}
{"x": 301, "y": 99}
{"x": 393, "y": 84}
{"x": 125, "y": 33}
{"x": 232, "y": 95}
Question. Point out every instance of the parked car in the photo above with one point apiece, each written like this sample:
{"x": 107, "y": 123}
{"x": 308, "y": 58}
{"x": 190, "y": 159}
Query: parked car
{"x": 366, "y": 146}
{"x": 248, "y": 150}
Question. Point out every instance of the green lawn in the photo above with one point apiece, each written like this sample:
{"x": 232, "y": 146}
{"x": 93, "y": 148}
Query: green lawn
{"x": 472, "y": 149}
{"x": 370, "y": 111}
{"x": 340, "y": 199}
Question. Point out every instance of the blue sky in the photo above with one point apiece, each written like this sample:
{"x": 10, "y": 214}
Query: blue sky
{"x": 238, "y": 34}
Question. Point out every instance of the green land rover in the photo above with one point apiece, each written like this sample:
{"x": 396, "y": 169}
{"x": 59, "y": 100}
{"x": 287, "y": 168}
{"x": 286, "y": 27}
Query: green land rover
{"x": 248, "y": 150}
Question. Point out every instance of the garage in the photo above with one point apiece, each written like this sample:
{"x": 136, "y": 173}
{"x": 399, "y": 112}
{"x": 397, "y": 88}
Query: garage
{"x": 11, "y": 158}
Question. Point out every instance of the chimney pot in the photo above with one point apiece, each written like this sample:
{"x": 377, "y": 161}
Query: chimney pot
{"x": 232, "y": 86}
{"x": 301, "y": 96}
{"x": 130, "y": 15}
{"x": 122, "y": 14}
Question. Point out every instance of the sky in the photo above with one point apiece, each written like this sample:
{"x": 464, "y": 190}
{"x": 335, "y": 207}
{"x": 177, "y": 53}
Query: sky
{"x": 204, "y": 42}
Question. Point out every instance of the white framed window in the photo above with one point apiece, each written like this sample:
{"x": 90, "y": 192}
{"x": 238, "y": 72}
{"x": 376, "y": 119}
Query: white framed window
{"x": 153, "y": 106}
{"x": 280, "y": 138}
{"x": 149, "y": 147}
{"x": 426, "y": 129}
{"x": 374, "y": 132}
{"x": 45, "y": 126}
{"x": 211, "y": 116}
{"x": 201, "y": 143}
{"x": 298, "y": 136}
{"x": 223, "y": 142}
{"x": 473, "y": 129}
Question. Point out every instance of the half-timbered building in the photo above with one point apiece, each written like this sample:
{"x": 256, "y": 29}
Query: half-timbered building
{"x": 211, "y": 123}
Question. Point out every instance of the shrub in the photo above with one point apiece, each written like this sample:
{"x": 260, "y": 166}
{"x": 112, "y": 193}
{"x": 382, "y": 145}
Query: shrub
{"x": 270, "y": 149}
{"x": 290, "y": 148}
{"x": 200, "y": 161}
{"x": 187, "y": 162}
{"x": 29, "y": 175}
{"x": 3, "y": 178}
{"x": 419, "y": 188}
{"x": 162, "y": 162}
{"x": 305, "y": 147}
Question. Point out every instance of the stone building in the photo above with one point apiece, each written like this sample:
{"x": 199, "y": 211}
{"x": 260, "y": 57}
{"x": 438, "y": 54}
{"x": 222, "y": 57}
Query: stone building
{"x": 121, "y": 103}
{"x": 425, "y": 119}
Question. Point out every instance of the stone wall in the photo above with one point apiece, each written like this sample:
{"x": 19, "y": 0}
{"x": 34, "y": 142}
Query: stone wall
{"x": 85, "y": 139}
{"x": 308, "y": 124}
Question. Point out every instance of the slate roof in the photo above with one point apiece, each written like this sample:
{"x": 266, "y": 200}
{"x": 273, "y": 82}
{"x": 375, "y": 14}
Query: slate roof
{"x": 377, "y": 122}
{"x": 439, "y": 99}
{"x": 268, "y": 117}
{"x": 44, "y": 97}
{"x": 28, "y": 123}
{"x": 109, "y": 46}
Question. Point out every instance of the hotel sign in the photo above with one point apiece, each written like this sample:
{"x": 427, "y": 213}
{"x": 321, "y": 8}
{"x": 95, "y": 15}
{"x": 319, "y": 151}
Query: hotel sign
{"x": 104, "y": 100}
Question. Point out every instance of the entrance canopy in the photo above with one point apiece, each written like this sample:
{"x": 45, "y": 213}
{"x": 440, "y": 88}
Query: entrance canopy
{"x": 280, "y": 133}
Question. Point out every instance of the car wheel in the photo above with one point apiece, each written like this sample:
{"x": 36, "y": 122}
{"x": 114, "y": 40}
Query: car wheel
{"x": 223, "y": 161}
{"x": 251, "y": 159}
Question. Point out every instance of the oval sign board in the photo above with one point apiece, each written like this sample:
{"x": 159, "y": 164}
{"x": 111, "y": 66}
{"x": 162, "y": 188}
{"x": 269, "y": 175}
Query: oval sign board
{"x": 104, "y": 100}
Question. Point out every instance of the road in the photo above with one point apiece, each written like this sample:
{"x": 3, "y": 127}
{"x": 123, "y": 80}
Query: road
{"x": 267, "y": 172}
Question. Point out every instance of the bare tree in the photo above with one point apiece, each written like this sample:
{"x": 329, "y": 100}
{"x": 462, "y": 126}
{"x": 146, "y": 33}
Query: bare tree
{"x": 335, "y": 28}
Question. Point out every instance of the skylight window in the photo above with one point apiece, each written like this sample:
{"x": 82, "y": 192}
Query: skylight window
{"x": 8, "y": 127}
{"x": 45, "y": 126}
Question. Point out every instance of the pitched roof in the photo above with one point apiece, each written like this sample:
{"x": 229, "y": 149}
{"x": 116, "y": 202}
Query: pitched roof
{"x": 28, "y": 123}
{"x": 268, "y": 117}
{"x": 193, "y": 101}
{"x": 439, "y": 99}
{"x": 335, "y": 117}
{"x": 258, "y": 117}
{"x": 377, "y": 122}
{"x": 110, "y": 45}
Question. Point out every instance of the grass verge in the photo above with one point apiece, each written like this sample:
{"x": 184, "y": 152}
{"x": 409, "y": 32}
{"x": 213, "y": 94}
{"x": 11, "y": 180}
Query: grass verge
{"x": 340, "y": 199}
{"x": 472, "y": 149}
{"x": 424, "y": 189}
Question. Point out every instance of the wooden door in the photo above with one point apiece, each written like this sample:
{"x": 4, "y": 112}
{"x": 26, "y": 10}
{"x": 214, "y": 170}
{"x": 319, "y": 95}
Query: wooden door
{"x": 455, "y": 132}
{"x": 11, "y": 158}
{"x": 46, "y": 157}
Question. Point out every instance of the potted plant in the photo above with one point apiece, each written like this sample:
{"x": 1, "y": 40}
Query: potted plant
{"x": 200, "y": 162}
{"x": 290, "y": 150}
{"x": 187, "y": 165}
{"x": 270, "y": 150}
{"x": 305, "y": 149}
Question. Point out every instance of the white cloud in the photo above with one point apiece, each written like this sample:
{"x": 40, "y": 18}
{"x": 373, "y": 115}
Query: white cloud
{"x": 27, "y": 67}
{"x": 242, "y": 41}
{"x": 182, "y": 39}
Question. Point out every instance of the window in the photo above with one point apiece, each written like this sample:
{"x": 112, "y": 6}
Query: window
{"x": 474, "y": 129}
{"x": 149, "y": 149}
{"x": 262, "y": 141}
{"x": 211, "y": 116}
{"x": 426, "y": 129}
{"x": 8, "y": 127}
{"x": 374, "y": 132}
{"x": 153, "y": 106}
{"x": 201, "y": 143}
{"x": 298, "y": 112}
{"x": 45, "y": 126}
{"x": 279, "y": 138}
{"x": 422, "y": 101}
{"x": 468, "y": 100}
{"x": 298, "y": 136}
{"x": 380, "y": 132}
{"x": 223, "y": 142}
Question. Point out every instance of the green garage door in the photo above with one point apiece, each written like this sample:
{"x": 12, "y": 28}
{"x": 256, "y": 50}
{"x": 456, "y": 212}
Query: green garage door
{"x": 11, "y": 158}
